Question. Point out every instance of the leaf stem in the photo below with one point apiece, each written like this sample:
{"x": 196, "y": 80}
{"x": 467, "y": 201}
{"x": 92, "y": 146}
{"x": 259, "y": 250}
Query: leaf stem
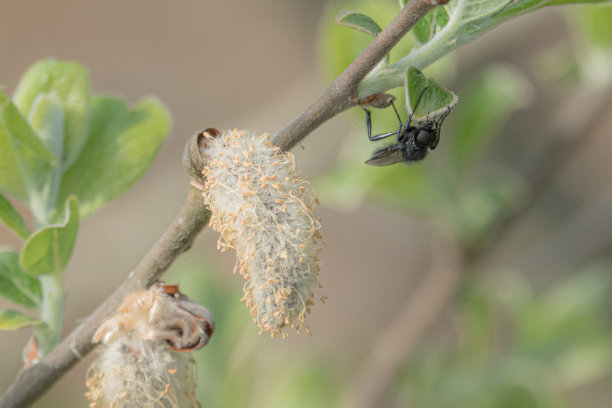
{"x": 51, "y": 312}
{"x": 38, "y": 205}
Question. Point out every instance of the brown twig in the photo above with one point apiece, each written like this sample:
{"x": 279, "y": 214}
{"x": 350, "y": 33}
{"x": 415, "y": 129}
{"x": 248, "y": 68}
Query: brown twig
{"x": 341, "y": 93}
{"x": 32, "y": 382}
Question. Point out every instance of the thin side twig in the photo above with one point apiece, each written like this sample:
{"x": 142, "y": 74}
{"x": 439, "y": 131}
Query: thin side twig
{"x": 33, "y": 381}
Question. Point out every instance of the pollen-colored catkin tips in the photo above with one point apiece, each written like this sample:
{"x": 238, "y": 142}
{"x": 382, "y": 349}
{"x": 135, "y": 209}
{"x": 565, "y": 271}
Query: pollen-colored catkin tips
{"x": 263, "y": 209}
{"x": 139, "y": 363}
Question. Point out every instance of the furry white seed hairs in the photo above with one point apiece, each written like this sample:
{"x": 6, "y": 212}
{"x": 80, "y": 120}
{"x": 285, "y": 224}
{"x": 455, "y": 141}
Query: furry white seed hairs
{"x": 264, "y": 210}
{"x": 141, "y": 361}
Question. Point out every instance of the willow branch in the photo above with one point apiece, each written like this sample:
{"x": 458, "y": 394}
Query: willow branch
{"x": 342, "y": 93}
{"x": 33, "y": 381}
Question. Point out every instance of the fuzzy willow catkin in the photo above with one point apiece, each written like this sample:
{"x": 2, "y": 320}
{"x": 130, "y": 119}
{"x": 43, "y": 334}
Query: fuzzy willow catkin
{"x": 263, "y": 209}
{"x": 141, "y": 363}
{"x": 138, "y": 373}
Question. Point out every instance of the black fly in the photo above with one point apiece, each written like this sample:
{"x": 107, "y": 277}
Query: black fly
{"x": 412, "y": 143}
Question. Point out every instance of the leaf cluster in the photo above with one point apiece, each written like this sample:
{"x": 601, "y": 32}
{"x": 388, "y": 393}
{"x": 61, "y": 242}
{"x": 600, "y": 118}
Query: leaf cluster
{"x": 64, "y": 153}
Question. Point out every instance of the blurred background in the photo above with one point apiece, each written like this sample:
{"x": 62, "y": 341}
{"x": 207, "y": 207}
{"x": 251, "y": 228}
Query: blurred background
{"x": 479, "y": 278}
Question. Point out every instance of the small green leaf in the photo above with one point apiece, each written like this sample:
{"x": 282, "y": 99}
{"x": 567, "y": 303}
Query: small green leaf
{"x": 20, "y": 131}
{"x": 11, "y": 180}
{"x": 432, "y": 102}
{"x": 440, "y": 18}
{"x": 12, "y": 218}
{"x": 339, "y": 46}
{"x": 70, "y": 83}
{"x": 15, "y": 284}
{"x": 359, "y": 22}
{"x": 47, "y": 119}
{"x": 427, "y": 27}
{"x": 13, "y": 320}
{"x": 48, "y": 250}
{"x": 22, "y": 154}
{"x": 422, "y": 29}
{"x": 121, "y": 146}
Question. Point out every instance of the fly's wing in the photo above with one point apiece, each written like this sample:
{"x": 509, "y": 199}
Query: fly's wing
{"x": 386, "y": 156}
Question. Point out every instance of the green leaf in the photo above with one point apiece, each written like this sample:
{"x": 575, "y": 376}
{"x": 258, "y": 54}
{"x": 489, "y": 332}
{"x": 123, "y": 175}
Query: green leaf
{"x": 22, "y": 154}
{"x": 48, "y": 250}
{"x": 121, "y": 146}
{"x": 422, "y": 29}
{"x": 47, "y": 118}
{"x": 339, "y": 46}
{"x": 70, "y": 83}
{"x": 15, "y": 284}
{"x": 11, "y": 180}
{"x": 13, "y": 320}
{"x": 20, "y": 131}
{"x": 427, "y": 27}
{"x": 359, "y": 22}
{"x": 433, "y": 101}
{"x": 12, "y": 218}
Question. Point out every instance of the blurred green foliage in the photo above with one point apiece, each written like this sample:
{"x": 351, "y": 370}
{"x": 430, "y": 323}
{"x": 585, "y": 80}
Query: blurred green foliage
{"x": 515, "y": 347}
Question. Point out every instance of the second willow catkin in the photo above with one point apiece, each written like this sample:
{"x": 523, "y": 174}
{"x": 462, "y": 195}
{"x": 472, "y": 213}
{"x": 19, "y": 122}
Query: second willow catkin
{"x": 263, "y": 209}
{"x": 143, "y": 361}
